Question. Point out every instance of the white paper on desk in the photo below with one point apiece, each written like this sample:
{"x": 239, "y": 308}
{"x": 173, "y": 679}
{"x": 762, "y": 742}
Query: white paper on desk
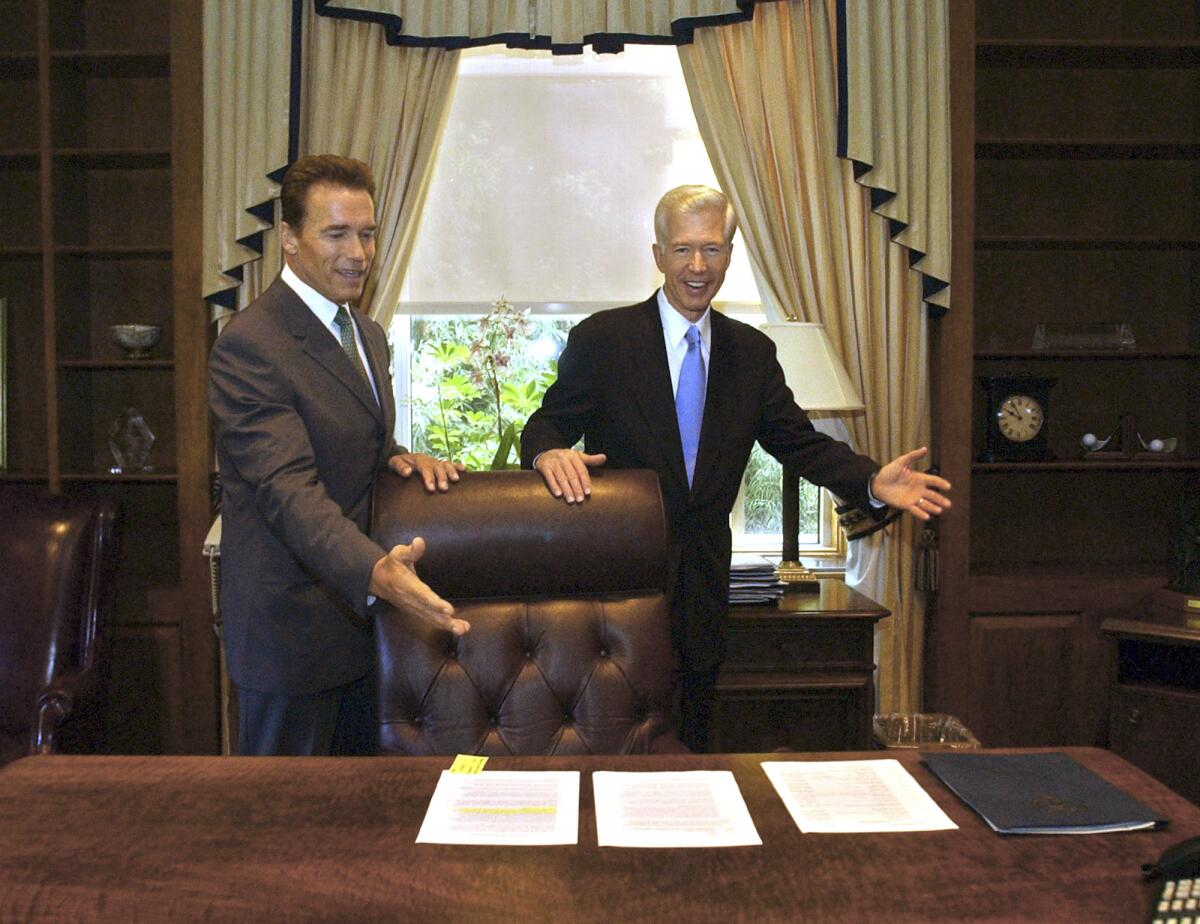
{"x": 852, "y": 796}
{"x": 507, "y": 807}
{"x": 690, "y": 808}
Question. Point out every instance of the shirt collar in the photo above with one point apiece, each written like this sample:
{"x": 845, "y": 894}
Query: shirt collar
{"x": 675, "y": 325}
{"x": 323, "y": 308}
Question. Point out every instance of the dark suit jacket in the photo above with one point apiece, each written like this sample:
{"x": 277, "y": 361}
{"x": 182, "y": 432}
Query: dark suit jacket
{"x": 300, "y": 439}
{"x": 614, "y": 390}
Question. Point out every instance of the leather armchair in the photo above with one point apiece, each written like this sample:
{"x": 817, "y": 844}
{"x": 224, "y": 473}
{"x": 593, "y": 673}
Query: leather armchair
{"x": 57, "y": 557}
{"x": 569, "y": 649}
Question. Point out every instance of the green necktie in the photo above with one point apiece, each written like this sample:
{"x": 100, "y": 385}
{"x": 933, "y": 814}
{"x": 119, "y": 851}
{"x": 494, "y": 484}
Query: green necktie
{"x": 346, "y": 327}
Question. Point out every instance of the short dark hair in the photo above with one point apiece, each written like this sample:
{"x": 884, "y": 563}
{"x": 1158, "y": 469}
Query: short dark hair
{"x": 320, "y": 168}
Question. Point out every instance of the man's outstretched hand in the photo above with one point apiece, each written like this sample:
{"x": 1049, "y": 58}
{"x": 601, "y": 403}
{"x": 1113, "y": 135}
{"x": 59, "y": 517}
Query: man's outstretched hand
{"x": 899, "y": 485}
{"x": 395, "y": 580}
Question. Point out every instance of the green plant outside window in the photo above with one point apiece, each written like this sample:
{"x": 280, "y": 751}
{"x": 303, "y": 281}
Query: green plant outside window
{"x": 475, "y": 381}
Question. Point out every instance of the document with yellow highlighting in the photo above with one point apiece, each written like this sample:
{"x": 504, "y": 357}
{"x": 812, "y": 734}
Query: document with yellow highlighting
{"x": 508, "y": 807}
{"x": 698, "y": 808}
{"x": 854, "y": 796}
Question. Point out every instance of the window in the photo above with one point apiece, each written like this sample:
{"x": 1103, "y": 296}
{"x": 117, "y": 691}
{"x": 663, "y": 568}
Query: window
{"x": 543, "y": 195}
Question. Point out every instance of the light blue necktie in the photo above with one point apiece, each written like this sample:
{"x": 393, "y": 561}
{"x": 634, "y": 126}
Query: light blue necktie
{"x": 689, "y": 400}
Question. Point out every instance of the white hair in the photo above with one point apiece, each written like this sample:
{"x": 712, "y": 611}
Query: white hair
{"x": 688, "y": 200}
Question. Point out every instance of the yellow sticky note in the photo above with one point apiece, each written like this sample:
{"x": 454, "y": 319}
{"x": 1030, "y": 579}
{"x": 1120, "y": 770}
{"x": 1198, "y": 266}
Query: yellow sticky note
{"x": 467, "y": 763}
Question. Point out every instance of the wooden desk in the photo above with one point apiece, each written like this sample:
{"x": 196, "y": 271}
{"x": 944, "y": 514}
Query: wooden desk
{"x": 1154, "y": 694}
{"x": 183, "y": 839}
{"x": 798, "y": 674}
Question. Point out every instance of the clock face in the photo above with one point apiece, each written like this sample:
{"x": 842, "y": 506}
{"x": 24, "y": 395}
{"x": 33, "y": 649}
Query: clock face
{"x": 1019, "y": 418}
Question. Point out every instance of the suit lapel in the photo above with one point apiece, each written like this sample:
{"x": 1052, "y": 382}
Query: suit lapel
{"x": 319, "y": 343}
{"x": 651, "y": 386}
{"x": 378, "y": 360}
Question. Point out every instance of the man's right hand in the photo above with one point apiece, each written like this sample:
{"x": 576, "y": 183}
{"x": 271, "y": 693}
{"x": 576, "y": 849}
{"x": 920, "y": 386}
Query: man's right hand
{"x": 565, "y": 472}
{"x": 395, "y": 580}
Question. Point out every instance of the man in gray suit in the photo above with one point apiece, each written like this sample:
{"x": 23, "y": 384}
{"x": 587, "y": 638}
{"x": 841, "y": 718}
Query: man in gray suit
{"x": 301, "y": 398}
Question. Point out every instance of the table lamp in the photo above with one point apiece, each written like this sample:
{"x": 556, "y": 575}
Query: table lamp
{"x": 820, "y": 383}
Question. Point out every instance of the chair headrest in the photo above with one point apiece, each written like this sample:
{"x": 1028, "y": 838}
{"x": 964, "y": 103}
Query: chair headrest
{"x": 498, "y": 534}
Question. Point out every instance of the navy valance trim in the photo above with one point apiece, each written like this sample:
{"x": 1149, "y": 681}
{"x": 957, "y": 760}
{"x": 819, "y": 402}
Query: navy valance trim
{"x": 682, "y": 31}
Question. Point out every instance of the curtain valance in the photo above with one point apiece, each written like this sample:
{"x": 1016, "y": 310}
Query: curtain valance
{"x": 561, "y": 26}
{"x": 892, "y": 98}
{"x": 249, "y": 133}
{"x": 894, "y": 123}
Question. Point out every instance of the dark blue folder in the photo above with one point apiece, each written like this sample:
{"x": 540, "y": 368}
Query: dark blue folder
{"x": 1045, "y": 793}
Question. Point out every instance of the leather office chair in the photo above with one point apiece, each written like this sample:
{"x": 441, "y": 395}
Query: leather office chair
{"x": 569, "y": 649}
{"x": 57, "y": 557}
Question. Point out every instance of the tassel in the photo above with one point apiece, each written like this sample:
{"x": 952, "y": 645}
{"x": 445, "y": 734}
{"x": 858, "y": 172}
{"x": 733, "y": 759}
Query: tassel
{"x": 925, "y": 565}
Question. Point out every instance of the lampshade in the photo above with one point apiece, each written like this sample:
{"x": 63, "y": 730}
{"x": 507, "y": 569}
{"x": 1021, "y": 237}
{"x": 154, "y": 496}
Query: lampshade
{"x": 811, "y": 367}
{"x": 818, "y": 382}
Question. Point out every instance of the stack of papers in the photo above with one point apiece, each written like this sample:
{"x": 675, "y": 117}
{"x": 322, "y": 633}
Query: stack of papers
{"x": 1039, "y": 794}
{"x": 854, "y": 796}
{"x": 752, "y": 580}
{"x": 503, "y": 807}
{"x": 688, "y": 808}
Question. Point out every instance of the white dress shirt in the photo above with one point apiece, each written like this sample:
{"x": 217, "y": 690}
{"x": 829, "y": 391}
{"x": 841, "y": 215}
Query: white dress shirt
{"x": 326, "y": 311}
{"x": 675, "y": 327}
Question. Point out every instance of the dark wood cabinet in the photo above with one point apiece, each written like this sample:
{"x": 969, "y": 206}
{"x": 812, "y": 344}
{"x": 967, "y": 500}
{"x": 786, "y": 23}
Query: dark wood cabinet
{"x": 90, "y": 155}
{"x": 1076, "y": 157}
{"x": 798, "y": 674}
{"x": 1154, "y": 717}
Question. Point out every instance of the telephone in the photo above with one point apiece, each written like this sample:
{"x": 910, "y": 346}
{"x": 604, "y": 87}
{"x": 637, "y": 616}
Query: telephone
{"x": 1179, "y": 899}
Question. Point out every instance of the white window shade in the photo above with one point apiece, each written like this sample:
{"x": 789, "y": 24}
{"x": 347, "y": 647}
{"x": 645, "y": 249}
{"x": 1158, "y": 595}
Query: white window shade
{"x": 547, "y": 178}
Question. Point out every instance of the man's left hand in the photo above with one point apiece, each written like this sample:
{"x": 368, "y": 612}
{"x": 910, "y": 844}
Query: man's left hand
{"x": 435, "y": 473}
{"x": 897, "y": 484}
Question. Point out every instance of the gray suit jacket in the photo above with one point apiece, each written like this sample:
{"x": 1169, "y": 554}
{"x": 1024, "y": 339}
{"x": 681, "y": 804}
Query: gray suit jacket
{"x": 300, "y": 439}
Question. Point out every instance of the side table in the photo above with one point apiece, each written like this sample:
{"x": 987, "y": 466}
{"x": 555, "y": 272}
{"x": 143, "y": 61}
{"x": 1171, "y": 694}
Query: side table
{"x": 798, "y": 674}
{"x": 1154, "y": 693}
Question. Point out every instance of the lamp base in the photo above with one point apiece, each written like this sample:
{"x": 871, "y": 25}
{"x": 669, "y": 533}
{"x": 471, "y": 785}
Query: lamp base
{"x": 796, "y": 576}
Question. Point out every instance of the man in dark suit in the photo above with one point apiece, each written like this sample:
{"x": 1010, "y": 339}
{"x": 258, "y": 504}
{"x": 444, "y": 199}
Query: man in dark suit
{"x": 621, "y": 384}
{"x": 301, "y": 397}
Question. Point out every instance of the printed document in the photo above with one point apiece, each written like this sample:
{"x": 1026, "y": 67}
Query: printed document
{"x": 506, "y": 807}
{"x": 697, "y": 808}
{"x": 854, "y": 796}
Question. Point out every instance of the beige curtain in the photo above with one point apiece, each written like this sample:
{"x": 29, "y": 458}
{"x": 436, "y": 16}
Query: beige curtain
{"x": 246, "y": 101}
{"x": 765, "y": 97}
{"x": 386, "y": 106}
{"x": 383, "y": 105}
{"x": 559, "y": 23}
{"x": 895, "y": 60}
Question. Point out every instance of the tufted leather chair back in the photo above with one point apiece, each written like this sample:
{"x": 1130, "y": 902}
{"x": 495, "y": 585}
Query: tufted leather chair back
{"x": 56, "y": 562}
{"x": 569, "y": 649}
